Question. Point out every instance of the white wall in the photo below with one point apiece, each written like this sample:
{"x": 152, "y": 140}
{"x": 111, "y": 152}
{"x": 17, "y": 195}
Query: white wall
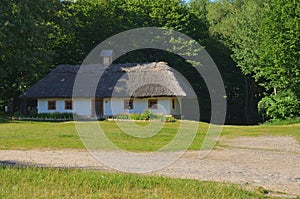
{"x": 116, "y": 105}
{"x": 177, "y": 110}
{"x": 111, "y": 106}
{"x": 164, "y": 106}
{"x": 140, "y": 105}
{"x": 60, "y": 106}
{"x": 80, "y": 106}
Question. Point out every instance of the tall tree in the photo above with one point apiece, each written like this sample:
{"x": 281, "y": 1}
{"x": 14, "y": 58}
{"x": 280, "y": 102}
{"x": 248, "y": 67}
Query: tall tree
{"x": 26, "y": 34}
{"x": 280, "y": 47}
{"x": 264, "y": 38}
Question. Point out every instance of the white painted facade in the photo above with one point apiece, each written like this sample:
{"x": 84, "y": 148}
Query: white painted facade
{"x": 82, "y": 106}
{"x": 112, "y": 106}
{"x": 60, "y": 106}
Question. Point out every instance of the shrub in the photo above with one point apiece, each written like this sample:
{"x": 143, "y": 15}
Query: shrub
{"x": 55, "y": 115}
{"x": 281, "y": 106}
{"x": 18, "y": 114}
{"x": 170, "y": 119}
{"x": 33, "y": 112}
{"x": 123, "y": 116}
{"x": 135, "y": 116}
{"x": 146, "y": 115}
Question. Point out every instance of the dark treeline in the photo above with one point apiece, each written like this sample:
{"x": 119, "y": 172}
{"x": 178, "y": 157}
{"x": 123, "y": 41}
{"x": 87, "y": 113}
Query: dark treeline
{"x": 254, "y": 43}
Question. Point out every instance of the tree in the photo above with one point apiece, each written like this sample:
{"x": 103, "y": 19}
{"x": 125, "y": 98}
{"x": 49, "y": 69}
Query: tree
{"x": 25, "y": 43}
{"x": 264, "y": 38}
{"x": 280, "y": 47}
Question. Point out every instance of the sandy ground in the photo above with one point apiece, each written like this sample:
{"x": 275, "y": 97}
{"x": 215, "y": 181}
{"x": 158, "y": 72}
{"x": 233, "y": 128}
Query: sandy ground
{"x": 269, "y": 162}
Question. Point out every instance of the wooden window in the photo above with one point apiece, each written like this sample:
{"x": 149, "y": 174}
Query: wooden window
{"x": 51, "y": 105}
{"x": 152, "y": 103}
{"x": 68, "y": 105}
{"x": 173, "y": 103}
{"x": 128, "y": 104}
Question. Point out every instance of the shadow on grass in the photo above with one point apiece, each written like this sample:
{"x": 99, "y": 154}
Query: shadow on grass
{"x": 8, "y": 163}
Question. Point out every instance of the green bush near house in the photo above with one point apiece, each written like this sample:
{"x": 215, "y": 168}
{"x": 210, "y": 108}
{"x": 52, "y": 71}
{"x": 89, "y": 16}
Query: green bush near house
{"x": 170, "y": 119}
{"x": 55, "y": 115}
{"x": 284, "y": 105}
{"x": 123, "y": 116}
{"x": 146, "y": 115}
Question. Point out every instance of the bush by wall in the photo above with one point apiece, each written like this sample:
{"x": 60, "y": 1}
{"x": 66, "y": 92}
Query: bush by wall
{"x": 34, "y": 115}
{"x": 284, "y": 105}
{"x": 146, "y": 115}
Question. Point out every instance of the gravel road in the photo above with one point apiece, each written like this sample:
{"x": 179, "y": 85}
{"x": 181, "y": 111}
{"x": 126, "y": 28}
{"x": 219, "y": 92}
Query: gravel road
{"x": 270, "y": 162}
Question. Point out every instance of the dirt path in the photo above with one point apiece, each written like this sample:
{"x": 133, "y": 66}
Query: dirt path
{"x": 269, "y": 162}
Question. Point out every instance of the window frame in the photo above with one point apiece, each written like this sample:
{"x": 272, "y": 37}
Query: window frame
{"x": 51, "y": 104}
{"x": 127, "y": 102}
{"x": 68, "y": 104}
{"x": 173, "y": 103}
{"x": 156, "y": 103}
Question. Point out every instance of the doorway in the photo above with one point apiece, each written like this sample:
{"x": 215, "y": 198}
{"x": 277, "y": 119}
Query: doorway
{"x": 97, "y": 108}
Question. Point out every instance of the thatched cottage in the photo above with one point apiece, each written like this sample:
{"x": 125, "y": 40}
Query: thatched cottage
{"x": 122, "y": 88}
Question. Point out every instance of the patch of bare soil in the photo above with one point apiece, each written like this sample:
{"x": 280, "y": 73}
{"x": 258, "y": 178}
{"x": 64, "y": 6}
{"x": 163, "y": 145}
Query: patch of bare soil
{"x": 269, "y": 162}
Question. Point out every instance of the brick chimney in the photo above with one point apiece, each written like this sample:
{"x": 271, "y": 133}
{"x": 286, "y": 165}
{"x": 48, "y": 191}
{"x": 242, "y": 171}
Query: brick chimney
{"x": 107, "y": 57}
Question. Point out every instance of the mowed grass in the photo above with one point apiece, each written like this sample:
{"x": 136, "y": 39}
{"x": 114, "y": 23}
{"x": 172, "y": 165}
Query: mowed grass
{"x": 63, "y": 135}
{"x": 33, "y": 182}
{"x": 32, "y": 135}
{"x": 292, "y": 130}
{"x": 61, "y": 183}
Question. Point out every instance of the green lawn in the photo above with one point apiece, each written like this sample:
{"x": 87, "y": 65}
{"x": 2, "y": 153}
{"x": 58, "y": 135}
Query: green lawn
{"x": 55, "y": 135}
{"x": 60, "y": 183}
{"x": 263, "y": 130}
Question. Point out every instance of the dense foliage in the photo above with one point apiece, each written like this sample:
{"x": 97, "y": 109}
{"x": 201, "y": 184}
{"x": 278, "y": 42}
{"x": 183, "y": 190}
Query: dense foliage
{"x": 260, "y": 37}
{"x": 284, "y": 105}
{"x": 264, "y": 37}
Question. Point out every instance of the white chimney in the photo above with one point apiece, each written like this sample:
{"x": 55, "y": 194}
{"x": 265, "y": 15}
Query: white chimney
{"x": 107, "y": 57}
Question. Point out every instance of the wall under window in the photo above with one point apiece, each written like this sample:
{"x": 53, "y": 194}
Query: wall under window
{"x": 42, "y": 106}
{"x": 116, "y": 105}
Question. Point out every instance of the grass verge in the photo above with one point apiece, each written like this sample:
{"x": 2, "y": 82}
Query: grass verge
{"x": 60, "y": 183}
{"x": 63, "y": 135}
{"x": 283, "y": 122}
{"x": 262, "y": 130}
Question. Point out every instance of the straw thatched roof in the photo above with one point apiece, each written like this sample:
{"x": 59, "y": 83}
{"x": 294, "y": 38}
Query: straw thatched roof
{"x": 118, "y": 80}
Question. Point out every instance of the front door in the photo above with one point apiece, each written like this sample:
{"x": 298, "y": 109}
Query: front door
{"x": 97, "y": 108}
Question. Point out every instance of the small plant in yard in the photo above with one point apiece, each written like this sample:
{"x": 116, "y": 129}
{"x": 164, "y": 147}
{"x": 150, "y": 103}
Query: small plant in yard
{"x": 146, "y": 115}
{"x": 170, "y": 119}
{"x": 123, "y": 116}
